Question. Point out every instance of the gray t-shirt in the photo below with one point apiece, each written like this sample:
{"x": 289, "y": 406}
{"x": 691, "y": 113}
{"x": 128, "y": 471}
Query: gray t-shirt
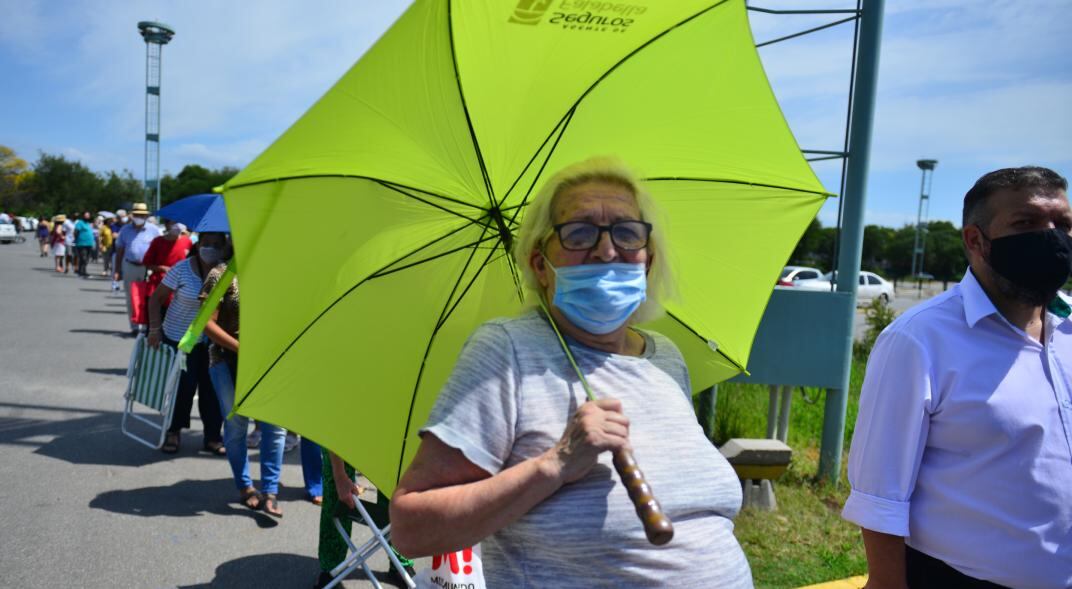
{"x": 509, "y": 398}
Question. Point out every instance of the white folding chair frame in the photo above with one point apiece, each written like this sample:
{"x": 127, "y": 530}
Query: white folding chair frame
{"x": 359, "y": 556}
{"x": 159, "y": 426}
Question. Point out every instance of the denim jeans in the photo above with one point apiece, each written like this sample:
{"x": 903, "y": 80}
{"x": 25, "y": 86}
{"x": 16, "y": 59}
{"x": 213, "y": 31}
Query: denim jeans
{"x": 234, "y": 437}
{"x": 310, "y": 463}
{"x": 82, "y": 253}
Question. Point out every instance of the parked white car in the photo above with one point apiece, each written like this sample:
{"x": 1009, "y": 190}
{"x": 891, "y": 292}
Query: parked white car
{"x": 872, "y": 286}
{"x": 794, "y": 276}
{"x": 8, "y": 234}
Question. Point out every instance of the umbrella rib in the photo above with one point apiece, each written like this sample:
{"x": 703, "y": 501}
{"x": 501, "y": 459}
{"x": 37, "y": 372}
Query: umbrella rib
{"x": 357, "y": 177}
{"x": 336, "y": 301}
{"x": 431, "y": 204}
{"x": 445, "y": 312}
{"x": 387, "y": 272}
{"x": 565, "y": 124}
{"x": 465, "y": 106}
{"x": 534, "y": 156}
{"x": 487, "y": 261}
{"x": 446, "y": 235}
{"x": 704, "y": 339}
{"x": 443, "y": 316}
{"x": 742, "y": 182}
{"x": 427, "y": 192}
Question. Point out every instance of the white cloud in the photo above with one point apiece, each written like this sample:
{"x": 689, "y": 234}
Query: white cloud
{"x": 229, "y": 154}
{"x": 972, "y": 84}
{"x": 1002, "y": 126}
{"x": 232, "y": 71}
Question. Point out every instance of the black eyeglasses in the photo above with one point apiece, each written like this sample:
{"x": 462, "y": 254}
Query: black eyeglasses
{"x": 582, "y": 235}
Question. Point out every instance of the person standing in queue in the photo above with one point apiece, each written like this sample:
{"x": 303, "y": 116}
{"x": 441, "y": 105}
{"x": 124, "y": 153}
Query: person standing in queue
{"x": 84, "y": 242}
{"x": 130, "y": 247}
{"x": 43, "y": 233}
{"x": 164, "y": 252}
{"x": 222, "y": 331}
{"x": 69, "y": 238}
{"x": 185, "y": 280}
{"x": 106, "y": 239}
{"x": 58, "y": 241}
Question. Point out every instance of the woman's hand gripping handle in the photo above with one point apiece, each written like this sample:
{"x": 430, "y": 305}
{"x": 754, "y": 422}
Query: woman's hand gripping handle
{"x": 598, "y": 426}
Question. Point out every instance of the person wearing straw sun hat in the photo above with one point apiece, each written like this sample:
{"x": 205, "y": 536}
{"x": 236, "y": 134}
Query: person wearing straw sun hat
{"x": 495, "y": 466}
{"x": 130, "y": 247}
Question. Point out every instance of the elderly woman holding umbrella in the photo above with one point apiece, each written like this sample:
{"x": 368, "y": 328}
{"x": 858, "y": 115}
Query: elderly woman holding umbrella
{"x": 514, "y": 457}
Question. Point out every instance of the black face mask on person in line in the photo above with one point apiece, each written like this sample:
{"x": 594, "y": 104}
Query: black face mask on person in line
{"x": 1039, "y": 262}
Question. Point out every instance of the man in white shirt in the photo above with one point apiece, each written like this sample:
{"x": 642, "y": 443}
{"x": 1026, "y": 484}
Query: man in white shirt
{"x": 68, "y": 241}
{"x": 961, "y": 461}
{"x": 130, "y": 247}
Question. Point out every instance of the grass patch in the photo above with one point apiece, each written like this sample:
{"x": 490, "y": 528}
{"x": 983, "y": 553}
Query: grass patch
{"x": 805, "y": 541}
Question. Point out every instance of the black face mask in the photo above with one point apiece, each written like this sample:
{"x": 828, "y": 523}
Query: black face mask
{"x": 1039, "y": 262}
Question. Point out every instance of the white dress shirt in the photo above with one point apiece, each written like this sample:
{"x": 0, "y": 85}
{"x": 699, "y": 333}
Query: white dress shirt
{"x": 963, "y": 442}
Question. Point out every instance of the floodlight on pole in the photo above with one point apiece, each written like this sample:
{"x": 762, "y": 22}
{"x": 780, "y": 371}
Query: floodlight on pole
{"x": 156, "y": 35}
{"x": 920, "y": 246}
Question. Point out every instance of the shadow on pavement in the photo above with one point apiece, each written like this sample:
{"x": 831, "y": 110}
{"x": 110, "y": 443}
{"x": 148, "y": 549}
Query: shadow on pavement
{"x": 188, "y": 498}
{"x": 277, "y": 570}
{"x": 104, "y": 312}
{"x": 109, "y": 371}
{"x": 116, "y": 333}
{"x": 94, "y": 437}
{"x": 94, "y": 290}
{"x": 264, "y": 570}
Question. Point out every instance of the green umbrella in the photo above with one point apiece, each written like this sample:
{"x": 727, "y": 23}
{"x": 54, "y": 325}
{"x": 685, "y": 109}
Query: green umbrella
{"x": 373, "y": 236}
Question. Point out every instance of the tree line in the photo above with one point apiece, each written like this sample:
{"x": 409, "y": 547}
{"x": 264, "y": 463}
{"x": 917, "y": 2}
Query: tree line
{"x": 888, "y": 251}
{"x": 55, "y": 184}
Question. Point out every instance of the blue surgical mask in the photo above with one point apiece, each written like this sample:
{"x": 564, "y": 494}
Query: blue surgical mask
{"x": 600, "y": 298}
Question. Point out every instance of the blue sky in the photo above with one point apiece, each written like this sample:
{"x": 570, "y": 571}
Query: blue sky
{"x": 974, "y": 84}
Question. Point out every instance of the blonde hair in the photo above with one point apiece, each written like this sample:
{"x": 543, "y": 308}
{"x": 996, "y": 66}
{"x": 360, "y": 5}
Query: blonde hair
{"x": 538, "y": 225}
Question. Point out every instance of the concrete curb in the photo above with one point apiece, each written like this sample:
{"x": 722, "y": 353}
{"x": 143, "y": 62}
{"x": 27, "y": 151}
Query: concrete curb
{"x": 850, "y": 583}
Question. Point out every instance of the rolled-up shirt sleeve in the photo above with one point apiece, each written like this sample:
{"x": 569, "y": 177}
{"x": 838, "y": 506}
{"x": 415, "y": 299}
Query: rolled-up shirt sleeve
{"x": 476, "y": 411}
{"x": 890, "y": 435}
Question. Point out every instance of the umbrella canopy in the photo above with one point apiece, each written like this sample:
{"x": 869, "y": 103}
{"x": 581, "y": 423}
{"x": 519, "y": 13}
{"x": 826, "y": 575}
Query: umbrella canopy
{"x": 420, "y": 161}
{"x": 200, "y": 213}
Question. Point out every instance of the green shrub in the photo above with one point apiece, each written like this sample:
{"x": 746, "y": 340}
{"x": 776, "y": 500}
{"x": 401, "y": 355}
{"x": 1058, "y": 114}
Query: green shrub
{"x": 877, "y": 315}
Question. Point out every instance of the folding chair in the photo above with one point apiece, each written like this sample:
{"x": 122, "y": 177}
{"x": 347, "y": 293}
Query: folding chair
{"x": 375, "y": 516}
{"x": 152, "y": 381}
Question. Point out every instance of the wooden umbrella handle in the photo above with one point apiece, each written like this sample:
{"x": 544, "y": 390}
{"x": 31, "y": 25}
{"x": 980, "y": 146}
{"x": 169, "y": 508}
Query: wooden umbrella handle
{"x": 657, "y": 525}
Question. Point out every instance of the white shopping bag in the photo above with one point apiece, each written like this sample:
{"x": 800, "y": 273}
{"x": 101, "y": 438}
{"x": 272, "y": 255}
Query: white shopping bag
{"x": 457, "y": 570}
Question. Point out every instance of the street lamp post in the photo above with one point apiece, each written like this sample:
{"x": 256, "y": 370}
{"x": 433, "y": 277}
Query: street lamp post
{"x": 920, "y": 246}
{"x": 156, "y": 35}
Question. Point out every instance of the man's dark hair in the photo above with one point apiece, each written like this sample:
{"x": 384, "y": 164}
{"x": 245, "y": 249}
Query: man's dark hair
{"x": 976, "y": 211}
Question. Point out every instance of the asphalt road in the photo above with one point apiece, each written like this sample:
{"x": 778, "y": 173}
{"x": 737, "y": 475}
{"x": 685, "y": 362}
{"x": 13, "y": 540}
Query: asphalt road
{"x": 81, "y": 505}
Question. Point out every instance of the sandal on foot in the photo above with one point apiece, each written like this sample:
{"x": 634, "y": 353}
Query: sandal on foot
{"x": 171, "y": 443}
{"x": 250, "y": 498}
{"x": 215, "y": 448}
{"x": 271, "y": 505}
{"x": 316, "y": 499}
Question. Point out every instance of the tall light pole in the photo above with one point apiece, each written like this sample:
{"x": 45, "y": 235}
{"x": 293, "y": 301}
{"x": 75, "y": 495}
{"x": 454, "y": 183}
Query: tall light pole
{"x": 156, "y": 35}
{"x": 927, "y": 167}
